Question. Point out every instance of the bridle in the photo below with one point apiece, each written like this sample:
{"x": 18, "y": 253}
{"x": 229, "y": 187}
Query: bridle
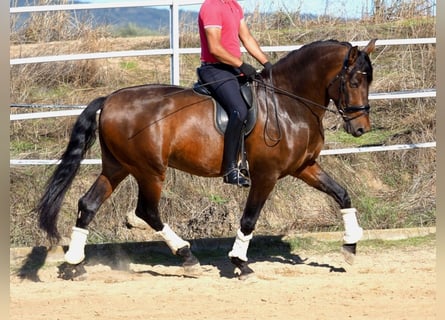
{"x": 344, "y": 109}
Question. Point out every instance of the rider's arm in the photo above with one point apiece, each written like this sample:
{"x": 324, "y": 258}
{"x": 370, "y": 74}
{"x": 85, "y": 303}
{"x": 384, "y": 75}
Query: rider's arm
{"x": 213, "y": 36}
{"x": 250, "y": 43}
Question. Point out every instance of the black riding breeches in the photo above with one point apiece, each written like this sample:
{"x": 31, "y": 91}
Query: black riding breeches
{"x": 221, "y": 80}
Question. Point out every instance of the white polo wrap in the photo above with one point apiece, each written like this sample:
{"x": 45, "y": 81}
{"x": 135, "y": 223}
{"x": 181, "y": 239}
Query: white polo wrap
{"x": 353, "y": 232}
{"x": 173, "y": 241}
{"x": 76, "y": 249}
{"x": 240, "y": 246}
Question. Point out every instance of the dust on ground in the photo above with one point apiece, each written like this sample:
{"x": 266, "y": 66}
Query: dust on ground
{"x": 391, "y": 283}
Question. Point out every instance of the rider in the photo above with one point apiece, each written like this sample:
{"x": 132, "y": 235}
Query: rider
{"x": 221, "y": 27}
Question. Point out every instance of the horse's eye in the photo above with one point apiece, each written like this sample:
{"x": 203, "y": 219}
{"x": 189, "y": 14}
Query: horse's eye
{"x": 353, "y": 83}
{"x": 355, "y": 80}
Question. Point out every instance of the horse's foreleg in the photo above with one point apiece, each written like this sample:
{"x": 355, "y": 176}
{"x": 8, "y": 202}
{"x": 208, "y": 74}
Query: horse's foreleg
{"x": 255, "y": 202}
{"x": 181, "y": 248}
{"x": 88, "y": 205}
{"x": 147, "y": 210}
{"x": 316, "y": 177}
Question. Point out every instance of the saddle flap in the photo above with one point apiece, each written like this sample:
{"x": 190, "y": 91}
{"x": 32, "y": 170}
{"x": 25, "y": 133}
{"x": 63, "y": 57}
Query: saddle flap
{"x": 220, "y": 115}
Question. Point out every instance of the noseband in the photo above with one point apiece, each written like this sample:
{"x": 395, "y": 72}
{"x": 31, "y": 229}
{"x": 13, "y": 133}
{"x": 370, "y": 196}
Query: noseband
{"x": 343, "y": 102}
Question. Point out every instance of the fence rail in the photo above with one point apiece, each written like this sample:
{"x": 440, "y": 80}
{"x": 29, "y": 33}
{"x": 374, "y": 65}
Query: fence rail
{"x": 171, "y": 51}
{"x": 397, "y": 147}
{"x": 77, "y": 109}
{"x": 109, "y": 5}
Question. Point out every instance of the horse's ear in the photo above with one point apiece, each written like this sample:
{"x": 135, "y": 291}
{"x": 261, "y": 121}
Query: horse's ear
{"x": 353, "y": 54}
{"x": 370, "y": 47}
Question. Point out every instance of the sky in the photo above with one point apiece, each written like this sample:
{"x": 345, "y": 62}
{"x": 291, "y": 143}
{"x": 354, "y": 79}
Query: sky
{"x": 338, "y": 8}
{"x": 346, "y": 9}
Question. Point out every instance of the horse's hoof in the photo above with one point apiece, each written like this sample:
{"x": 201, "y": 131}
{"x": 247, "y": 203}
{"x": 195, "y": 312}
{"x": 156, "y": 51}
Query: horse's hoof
{"x": 192, "y": 270}
{"x": 349, "y": 252}
{"x": 246, "y": 272}
{"x": 70, "y": 272}
{"x": 191, "y": 265}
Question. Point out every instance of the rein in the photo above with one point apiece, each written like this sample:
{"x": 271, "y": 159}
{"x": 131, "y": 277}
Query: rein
{"x": 291, "y": 95}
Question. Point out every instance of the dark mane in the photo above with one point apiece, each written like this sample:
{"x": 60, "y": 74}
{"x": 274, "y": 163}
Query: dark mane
{"x": 313, "y": 45}
{"x": 328, "y": 42}
{"x": 301, "y": 57}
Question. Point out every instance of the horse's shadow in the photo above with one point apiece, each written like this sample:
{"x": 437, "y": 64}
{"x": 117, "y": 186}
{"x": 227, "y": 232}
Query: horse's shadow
{"x": 209, "y": 251}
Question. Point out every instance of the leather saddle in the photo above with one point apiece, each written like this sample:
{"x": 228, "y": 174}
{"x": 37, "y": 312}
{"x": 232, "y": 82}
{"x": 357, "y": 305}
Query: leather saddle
{"x": 220, "y": 115}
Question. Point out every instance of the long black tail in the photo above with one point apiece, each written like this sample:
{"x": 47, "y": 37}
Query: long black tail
{"x": 82, "y": 138}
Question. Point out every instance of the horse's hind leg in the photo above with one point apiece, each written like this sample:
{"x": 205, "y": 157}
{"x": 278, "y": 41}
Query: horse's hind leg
{"x": 147, "y": 210}
{"x": 316, "y": 177}
{"x": 88, "y": 206}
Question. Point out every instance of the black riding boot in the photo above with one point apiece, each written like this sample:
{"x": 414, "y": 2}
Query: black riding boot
{"x": 232, "y": 136}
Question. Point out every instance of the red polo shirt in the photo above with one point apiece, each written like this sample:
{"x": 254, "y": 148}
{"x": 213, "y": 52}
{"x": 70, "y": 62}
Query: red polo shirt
{"x": 223, "y": 14}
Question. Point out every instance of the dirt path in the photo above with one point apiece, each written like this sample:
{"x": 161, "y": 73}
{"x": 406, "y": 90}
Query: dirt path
{"x": 397, "y": 284}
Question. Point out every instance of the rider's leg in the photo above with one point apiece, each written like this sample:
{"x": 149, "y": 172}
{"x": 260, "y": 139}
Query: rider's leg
{"x": 232, "y": 135}
{"x": 224, "y": 85}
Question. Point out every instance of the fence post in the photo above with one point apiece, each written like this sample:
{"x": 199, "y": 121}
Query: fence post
{"x": 174, "y": 42}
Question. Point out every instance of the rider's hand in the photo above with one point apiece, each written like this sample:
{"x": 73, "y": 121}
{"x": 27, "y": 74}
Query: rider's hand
{"x": 248, "y": 70}
{"x": 267, "y": 67}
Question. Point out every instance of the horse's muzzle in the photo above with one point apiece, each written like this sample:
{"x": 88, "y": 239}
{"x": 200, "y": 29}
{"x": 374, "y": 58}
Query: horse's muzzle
{"x": 356, "y": 120}
{"x": 358, "y": 126}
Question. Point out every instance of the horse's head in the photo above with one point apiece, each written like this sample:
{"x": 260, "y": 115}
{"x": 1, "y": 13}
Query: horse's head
{"x": 350, "y": 87}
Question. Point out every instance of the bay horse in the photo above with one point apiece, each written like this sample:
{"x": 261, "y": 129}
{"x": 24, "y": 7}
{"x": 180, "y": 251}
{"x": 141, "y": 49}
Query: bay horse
{"x": 144, "y": 130}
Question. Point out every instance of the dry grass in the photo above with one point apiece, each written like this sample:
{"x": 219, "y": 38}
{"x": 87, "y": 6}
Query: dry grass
{"x": 390, "y": 189}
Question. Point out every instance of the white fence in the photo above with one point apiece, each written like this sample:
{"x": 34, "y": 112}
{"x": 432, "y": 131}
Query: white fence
{"x": 175, "y": 51}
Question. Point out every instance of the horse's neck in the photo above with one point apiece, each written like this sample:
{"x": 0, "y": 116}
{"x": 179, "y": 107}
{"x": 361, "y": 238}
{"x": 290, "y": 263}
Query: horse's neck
{"x": 298, "y": 93}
